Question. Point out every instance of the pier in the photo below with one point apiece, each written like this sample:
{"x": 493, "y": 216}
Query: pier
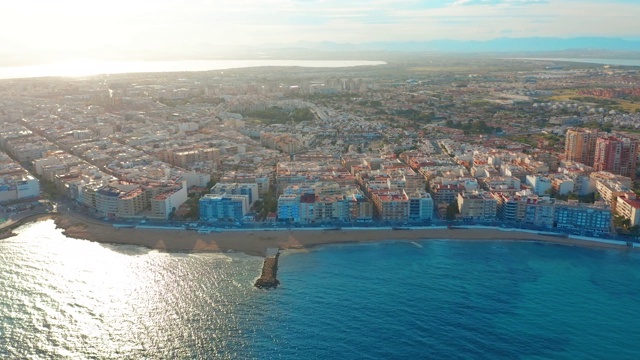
{"x": 268, "y": 279}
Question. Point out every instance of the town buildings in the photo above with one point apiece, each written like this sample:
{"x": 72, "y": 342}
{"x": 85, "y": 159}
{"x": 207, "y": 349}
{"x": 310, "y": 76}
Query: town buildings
{"x": 374, "y": 148}
{"x": 15, "y": 182}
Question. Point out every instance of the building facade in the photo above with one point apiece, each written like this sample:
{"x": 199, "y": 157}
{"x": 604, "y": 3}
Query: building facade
{"x": 215, "y": 208}
{"x": 581, "y": 216}
{"x": 420, "y": 206}
{"x": 580, "y": 145}
{"x": 616, "y": 155}
{"x": 477, "y": 206}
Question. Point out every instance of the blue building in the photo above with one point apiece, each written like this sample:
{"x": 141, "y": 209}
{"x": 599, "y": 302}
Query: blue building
{"x": 579, "y": 216}
{"x": 223, "y": 207}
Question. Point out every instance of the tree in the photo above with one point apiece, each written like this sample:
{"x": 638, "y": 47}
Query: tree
{"x": 452, "y": 210}
{"x": 607, "y": 127}
{"x": 194, "y": 211}
{"x": 621, "y": 222}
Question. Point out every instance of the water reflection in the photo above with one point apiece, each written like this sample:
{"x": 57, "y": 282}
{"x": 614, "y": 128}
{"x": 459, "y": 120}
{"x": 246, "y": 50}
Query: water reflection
{"x": 75, "y": 298}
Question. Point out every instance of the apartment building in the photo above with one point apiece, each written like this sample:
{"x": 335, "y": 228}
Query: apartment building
{"x": 359, "y": 207}
{"x": 289, "y": 208}
{"x": 629, "y": 208}
{"x": 477, "y": 206}
{"x": 580, "y": 145}
{"x": 582, "y": 216}
{"x": 262, "y": 180}
{"x": 223, "y": 207}
{"x": 610, "y": 186}
{"x": 540, "y": 185}
{"x": 165, "y": 203}
{"x": 391, "y": 205}
{"x": 18, "y": 186}
{"x": 249, "y": 189}
{"x": 616, "y": 155}
{"x": 420, "y": 206}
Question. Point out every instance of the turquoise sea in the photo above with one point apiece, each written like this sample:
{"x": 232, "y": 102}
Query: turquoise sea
{"x": 73, "y": 299}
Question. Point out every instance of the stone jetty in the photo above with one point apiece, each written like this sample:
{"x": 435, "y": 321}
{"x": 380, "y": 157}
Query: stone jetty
{"x": 268, "y": 279}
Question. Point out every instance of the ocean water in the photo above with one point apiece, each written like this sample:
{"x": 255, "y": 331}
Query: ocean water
{"x": 89, "y": 68}
{"x": 66, "y": 298}
{"x": 621, "y": 62}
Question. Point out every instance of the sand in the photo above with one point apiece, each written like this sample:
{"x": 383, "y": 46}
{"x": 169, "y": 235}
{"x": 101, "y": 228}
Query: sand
{"x": 256, "y": 242}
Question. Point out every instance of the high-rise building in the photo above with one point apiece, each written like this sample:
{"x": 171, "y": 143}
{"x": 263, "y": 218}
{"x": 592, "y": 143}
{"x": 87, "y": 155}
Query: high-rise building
{"x": 616, "y": 155}
{"x": 580, "y": 145}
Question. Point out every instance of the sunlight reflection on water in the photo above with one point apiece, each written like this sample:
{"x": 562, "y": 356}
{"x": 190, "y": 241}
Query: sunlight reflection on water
{"x": 75, "y": 298}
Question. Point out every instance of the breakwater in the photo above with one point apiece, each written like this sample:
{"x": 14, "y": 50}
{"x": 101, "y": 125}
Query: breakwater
{"x": 268, "y": 278}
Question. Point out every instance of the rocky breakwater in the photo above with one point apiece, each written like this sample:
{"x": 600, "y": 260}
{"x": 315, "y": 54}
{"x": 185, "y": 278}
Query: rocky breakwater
{"x": 268, "y": 279}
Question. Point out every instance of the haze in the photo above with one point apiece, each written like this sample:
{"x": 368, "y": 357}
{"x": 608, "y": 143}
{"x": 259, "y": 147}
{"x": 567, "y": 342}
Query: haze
{"x": 54, "y": 30}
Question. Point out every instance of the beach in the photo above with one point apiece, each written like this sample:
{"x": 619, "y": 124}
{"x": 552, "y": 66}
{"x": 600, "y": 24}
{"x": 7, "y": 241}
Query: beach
{"x": 256, "y": 242}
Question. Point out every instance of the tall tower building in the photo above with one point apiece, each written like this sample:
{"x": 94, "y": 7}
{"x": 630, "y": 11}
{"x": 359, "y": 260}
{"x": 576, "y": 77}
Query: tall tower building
{"x": 580, "y": 145}
{"x": 616, "y": 155}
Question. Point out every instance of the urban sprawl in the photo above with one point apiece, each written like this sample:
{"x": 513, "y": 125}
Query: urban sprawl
{"x": 497, "y": 142}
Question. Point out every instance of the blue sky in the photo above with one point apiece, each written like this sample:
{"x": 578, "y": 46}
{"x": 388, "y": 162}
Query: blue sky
{"x": 122, "y": 25}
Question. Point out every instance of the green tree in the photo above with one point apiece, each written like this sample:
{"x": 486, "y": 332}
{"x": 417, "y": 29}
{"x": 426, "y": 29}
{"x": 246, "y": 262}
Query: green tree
{"x": 452, "y": 210}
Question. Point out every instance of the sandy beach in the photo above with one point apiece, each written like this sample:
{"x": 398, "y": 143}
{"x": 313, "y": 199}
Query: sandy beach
{"x": 256, "y": 242}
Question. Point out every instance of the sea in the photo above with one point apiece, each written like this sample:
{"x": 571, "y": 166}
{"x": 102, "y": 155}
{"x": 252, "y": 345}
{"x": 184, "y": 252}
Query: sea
{"x": 84, "y": 67}
{"x": 65, "y": 298}
{"x": 619, "y": 62}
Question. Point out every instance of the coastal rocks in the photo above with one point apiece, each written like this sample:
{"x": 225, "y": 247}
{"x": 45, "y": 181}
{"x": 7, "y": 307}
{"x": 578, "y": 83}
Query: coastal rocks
{"x": 268, "y": 279}
{"x": 6, "y": 234}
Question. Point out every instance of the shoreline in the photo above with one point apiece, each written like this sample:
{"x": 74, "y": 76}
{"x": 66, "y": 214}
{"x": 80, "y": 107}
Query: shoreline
{"x": 256, "y": 242}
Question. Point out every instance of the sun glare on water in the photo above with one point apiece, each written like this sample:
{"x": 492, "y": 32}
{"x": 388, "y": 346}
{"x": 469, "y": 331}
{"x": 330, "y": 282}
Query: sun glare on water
{"x": 81, "y": 67}
{"x": 75, "y": 68}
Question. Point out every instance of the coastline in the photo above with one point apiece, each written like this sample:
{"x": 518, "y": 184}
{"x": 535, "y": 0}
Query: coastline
{"x": 256, "y": 242}
{"x": 91, "y": 68}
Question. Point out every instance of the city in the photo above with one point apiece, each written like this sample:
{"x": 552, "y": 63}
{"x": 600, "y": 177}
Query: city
{"x": 534, "y": 144}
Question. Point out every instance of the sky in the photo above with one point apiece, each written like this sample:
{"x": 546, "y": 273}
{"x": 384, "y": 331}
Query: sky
{"x": 85, "y": 27}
